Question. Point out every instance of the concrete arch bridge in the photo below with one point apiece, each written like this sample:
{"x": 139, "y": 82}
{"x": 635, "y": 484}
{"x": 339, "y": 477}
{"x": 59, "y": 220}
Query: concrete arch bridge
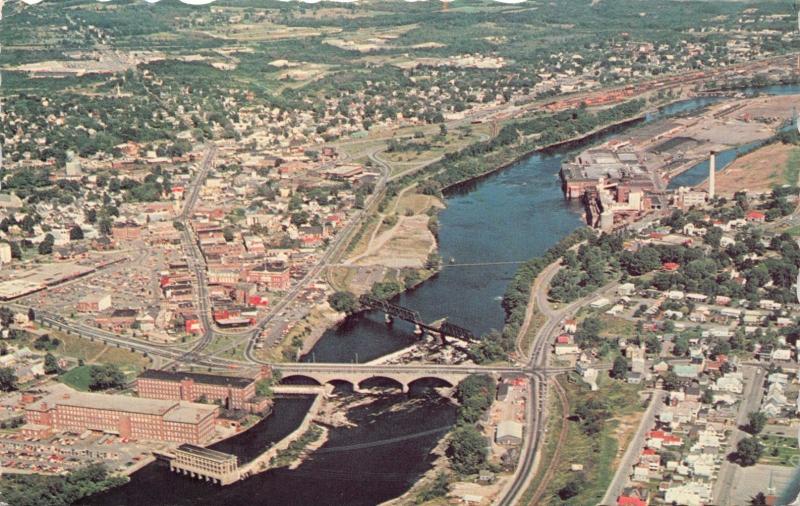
{"x": 403, "y": 375}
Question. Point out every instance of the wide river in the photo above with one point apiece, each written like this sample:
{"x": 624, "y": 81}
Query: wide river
{"x": 506, "y": 217}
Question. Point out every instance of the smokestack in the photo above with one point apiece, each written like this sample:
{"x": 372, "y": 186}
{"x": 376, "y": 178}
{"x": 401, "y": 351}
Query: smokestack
{"x": 712, "y": 174}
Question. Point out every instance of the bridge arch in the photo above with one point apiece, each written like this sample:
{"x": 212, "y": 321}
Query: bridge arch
{"x": 336, "y": 382}
{"x": 431, "y": 382}
{"x": 299, "y": 379}
{"x": 378, "y": 381}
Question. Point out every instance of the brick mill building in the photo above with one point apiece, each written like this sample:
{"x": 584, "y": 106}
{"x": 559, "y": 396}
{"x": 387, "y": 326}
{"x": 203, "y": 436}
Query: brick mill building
{"x": 233, "y": 392}
{"x": 129, "y": 417}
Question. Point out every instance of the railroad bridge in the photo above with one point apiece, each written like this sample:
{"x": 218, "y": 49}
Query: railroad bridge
{"x": 395, "y": 311}
{"x": 403, "y": 375}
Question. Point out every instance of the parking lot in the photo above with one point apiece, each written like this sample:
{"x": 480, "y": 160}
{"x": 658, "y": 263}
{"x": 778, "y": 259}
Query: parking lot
{"x": 64, "y": 452}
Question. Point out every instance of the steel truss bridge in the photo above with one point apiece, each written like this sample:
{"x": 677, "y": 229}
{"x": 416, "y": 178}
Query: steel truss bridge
{"x": 403, "y": 313}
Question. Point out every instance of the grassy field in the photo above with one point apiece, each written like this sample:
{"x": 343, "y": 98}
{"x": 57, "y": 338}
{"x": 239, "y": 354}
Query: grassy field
{"x": 77, "y": 378}
{"x": 793, "y": 231}
{"x": 779, "y": 450}
{"x": 792, "y": 170}
{"x": 537, "y": 320}
{"x": 361, "y": 239}
{"x": 617, "y": 327}
{"x": 94, "y": 352}
{"x": 597, "y": 453}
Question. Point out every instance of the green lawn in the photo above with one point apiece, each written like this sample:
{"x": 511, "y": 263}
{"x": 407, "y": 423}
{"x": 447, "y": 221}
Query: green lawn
{"x": 792, "y": 170}
{"x": 616, "y": 327}
{"x": 779, "y": 450}
{"x": 77, "y": 378}
{"x": 793, "y": 231}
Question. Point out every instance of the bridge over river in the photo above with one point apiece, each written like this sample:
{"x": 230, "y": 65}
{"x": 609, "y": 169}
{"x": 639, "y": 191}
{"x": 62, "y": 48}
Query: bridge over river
{"x": 404, "y": 375}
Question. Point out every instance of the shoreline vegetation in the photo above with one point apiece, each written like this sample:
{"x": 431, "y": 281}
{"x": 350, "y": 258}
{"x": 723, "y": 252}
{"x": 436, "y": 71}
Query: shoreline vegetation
{"x": 42, "y": 490}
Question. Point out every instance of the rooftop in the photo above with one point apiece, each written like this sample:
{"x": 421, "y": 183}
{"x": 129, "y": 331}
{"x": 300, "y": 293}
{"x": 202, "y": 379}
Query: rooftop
{"x": 205, "y": 453}
{"x": 177, "y": 411}
{"x": 211, "y": 379}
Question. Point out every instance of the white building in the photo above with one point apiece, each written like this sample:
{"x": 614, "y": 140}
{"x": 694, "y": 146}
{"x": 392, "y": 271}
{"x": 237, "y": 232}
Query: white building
{"x": 5, "y": 253}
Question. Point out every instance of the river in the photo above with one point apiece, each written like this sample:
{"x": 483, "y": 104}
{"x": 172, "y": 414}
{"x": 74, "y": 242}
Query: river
{"x": 508, "y": 216}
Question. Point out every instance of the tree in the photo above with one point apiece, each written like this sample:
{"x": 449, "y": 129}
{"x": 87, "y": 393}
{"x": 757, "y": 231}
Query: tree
{"x": 31, "y": 314}
{"x": 680, "y": 347}
{"x": 103, "y": 377}
{"x": 748, "y": 451}
{"x": 467, "y": 450}
{"x": 713, "y": 236}
{"x": 37, "y": 490}
{"x": 75, "y": 233}
{"x": 46, "y": 246}
{"x": 620, "y": 368}
{"x": 299, "y": 218}
{"x": 755, "y": 422}
{"x": 105, "y": 226}
{"x": 51, "y": 364}
{"x": 8, "y": 380}
{"x": 343, "y": 302}
{"x": 758, "y": 500}
{"x": 475, "y": 394}
{"x": 672, "y": 382}
{"x": 439, "y": 488}
{"x": 592, "y": 413}
{"x": 571, "y": 489}
{"x": 385, "y": 289}
{"x": 433, "y": 262}
{"x": 588, "y": 334}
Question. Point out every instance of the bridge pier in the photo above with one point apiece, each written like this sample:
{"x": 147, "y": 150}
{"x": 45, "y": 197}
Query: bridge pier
{"x": 417, "y": 330}
{"x": 388, "y": 319}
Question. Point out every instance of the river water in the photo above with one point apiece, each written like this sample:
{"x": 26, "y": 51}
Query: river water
{"x": 509, "y": 216}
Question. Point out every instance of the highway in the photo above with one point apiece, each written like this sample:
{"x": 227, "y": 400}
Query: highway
{"x": 58, "y": 322}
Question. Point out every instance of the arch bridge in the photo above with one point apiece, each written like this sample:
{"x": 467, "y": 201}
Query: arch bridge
{"x": 402, "y": 375}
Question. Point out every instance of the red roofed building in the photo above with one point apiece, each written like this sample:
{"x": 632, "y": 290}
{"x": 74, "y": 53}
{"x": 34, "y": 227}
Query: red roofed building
{"x": 670, "y": 266}
{"x": 634, "y": 497}
{"x": 756, "y": 216}
{"x": 664, "y": 438}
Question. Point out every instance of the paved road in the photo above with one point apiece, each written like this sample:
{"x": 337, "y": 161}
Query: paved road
{"x": 751, "y": 401}
{"x": 631, "y": 456}
{"x": 538, "y": 366}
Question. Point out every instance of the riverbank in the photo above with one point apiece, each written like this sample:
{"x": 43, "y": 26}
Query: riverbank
{"x": 547, "y": 147}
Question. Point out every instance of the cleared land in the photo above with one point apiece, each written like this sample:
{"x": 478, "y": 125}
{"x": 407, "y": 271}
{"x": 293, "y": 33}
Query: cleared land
{"x": 760, "y": 171}
{"x": 407, "y": 244}
{"x": 404, "y": 242}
